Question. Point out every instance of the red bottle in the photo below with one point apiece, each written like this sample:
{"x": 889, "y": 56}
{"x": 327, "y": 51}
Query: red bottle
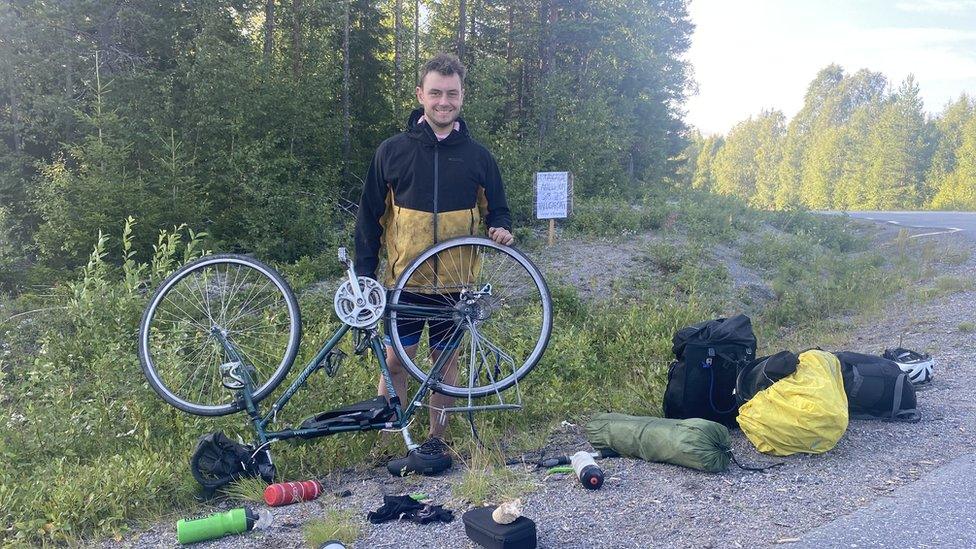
{"x": 285, "y": 493}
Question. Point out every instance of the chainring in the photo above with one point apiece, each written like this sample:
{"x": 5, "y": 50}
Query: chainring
{"x": 360, "y": 312}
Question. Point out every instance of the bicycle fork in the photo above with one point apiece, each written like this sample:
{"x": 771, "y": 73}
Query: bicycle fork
{"x": 237, "y": 375}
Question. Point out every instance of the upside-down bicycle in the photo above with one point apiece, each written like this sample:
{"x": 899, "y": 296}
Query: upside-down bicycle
{"x": 221, "y": 333}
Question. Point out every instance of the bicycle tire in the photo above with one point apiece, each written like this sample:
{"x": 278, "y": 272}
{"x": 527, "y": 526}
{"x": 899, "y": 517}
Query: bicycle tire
{"x": 489, "y": 263}
{"x": 174, "y": 317}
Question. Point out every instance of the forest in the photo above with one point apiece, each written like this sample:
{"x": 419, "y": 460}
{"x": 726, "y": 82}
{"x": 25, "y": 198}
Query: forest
{"x": 253, "y": 122}
{"x": 858, "y": 143}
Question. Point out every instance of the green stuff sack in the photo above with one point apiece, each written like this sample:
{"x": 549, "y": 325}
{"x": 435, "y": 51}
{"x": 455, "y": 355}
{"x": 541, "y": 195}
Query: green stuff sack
{"x": 805, "y": 411}
{"x": 697, "y": 443}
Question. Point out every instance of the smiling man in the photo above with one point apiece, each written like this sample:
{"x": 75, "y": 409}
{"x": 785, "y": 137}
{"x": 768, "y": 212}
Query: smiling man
{"x": 430, "y": 183}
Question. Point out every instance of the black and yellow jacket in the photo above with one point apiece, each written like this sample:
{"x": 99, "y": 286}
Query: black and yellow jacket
{"x": 420, "y": 191}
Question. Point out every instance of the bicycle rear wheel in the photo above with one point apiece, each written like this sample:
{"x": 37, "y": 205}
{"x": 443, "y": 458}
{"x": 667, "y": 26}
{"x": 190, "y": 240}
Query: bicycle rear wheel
{"x": 482, "y": 300}
{"x": 229, "y": 297}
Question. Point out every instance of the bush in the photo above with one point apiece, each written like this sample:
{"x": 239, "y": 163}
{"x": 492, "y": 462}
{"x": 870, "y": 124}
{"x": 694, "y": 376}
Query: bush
{"x": 833, "y": 232}
{"x": 87, "y": 448}
{"x": 604, "y": 217}
{"x": 712, "y": 218}
{"x": 12, "y": 262}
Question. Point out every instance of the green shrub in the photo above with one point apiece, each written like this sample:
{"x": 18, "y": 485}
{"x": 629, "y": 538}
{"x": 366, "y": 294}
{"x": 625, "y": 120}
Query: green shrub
{"x": 666, "y": 257}
{"x": 604, "y": 217}
{"x": 311, "y": 269}
{"x": 713, "y": 218}
{"x": 833, "y": 232}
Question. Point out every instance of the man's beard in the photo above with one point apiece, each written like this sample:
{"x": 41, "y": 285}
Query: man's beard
{"x": 432, "y": 118}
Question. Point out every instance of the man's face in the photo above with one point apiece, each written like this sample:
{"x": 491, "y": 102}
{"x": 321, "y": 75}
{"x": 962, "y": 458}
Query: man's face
{"x": 441, "y": 97}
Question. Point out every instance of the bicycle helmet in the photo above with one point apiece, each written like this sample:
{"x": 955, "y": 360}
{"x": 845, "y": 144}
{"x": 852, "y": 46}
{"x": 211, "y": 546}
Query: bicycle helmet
{"x": 918, "y": 366}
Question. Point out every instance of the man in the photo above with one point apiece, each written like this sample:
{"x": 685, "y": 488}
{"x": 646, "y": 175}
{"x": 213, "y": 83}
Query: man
{"x": 430, "y": 183}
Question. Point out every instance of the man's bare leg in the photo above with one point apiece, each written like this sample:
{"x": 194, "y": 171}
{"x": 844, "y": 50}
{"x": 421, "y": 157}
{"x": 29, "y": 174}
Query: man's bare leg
{"x": 438, "y": 419}
{"x": 432, "y": 456}
{"x": 398, "y": 374}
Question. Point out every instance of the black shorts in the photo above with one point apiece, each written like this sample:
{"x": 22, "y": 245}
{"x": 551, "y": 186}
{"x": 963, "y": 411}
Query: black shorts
{"x": 439, "y": 331}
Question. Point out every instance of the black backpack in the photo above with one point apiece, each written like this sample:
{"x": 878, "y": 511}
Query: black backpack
{"x": 701, "y": 382}
{"x": 877, "y": 388}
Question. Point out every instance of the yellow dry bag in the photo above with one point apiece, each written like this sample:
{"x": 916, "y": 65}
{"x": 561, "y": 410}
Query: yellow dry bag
{"x": 805, "y": 411}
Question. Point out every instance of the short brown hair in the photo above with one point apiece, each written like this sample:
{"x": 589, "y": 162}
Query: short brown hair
{"x": 444, "y": 63}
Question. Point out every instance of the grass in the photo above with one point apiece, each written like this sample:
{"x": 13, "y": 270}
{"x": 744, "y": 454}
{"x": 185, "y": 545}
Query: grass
{"x": 941, "y": 286}
{"x": 76, "y": 413}
{"x": 246, "y": 489}
{"x": 336, "y": 525}
{"x": 956, "y": 256}
{"x": 966, "y": 327}
{"x": 486, "y": 479}
{"x": 953, "y": 284}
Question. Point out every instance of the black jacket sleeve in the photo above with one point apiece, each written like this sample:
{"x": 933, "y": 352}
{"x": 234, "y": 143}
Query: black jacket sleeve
{"x": 498, "y": 213}
{"x": 372, "y": 206}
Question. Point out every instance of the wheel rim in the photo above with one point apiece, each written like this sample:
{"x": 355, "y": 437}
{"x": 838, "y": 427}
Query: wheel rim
{"x": 491, "y": 297}
{"x": 232, "y": 298}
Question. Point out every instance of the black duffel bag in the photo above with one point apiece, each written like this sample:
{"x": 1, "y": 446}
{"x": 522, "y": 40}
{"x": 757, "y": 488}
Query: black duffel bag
{"x": 709, "y": 355}
{"x": 877, "y": 388}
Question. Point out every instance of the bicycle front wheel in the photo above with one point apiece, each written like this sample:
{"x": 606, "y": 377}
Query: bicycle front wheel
{"x": 203, "y": 308}
{"x": 484, "y": 302}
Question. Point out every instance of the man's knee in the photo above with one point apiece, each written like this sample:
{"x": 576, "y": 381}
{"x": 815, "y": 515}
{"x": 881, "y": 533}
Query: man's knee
{"x": 393, "y": 363}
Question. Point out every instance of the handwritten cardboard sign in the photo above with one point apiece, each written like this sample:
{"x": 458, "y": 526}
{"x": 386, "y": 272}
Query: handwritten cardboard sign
{"x": 553, "y": 195}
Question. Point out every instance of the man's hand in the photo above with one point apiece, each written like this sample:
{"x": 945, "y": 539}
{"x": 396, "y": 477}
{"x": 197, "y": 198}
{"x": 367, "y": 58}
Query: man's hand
{"x": 501, "y": 235}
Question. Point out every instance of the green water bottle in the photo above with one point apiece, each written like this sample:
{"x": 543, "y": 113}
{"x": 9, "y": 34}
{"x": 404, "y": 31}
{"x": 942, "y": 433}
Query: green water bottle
{"x": 235, "y": 521}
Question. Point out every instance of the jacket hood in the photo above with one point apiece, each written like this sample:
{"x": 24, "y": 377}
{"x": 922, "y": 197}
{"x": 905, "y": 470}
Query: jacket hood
{"x": 425, "y": 133}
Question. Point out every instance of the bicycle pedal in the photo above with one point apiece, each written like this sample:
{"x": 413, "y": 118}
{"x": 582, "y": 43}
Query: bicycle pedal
{"x": 361, "y": 340}
{"x": 332, "y": 361}
{"x": 230, "y": 376}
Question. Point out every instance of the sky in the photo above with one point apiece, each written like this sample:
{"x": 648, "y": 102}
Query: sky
{"x": 755, "y": 55}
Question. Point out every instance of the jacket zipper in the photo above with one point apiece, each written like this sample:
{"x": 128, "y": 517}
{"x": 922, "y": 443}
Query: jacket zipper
{"x": 436, "y": 172}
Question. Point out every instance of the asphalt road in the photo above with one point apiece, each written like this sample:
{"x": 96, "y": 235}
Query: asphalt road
{"x": 964, "y": 222}
{"x": 938, "y": 510}
{"x": 934, "y": 511}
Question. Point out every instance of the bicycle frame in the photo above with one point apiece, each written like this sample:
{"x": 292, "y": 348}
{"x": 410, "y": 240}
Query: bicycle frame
{"x": 403, "y": 414}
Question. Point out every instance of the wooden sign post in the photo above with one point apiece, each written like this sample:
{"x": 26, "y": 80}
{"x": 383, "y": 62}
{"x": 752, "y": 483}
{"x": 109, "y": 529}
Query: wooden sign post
{"x": 553, "y": 198}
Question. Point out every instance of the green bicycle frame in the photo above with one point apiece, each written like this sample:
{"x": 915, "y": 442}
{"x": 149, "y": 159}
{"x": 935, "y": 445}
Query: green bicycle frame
{"x": 403, "y": 414}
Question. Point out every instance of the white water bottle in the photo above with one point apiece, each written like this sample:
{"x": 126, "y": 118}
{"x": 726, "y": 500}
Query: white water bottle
{"x": 587, "y": 471}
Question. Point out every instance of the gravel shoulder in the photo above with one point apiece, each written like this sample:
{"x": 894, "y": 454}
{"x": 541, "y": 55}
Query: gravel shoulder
{"x": 649, "y": 504}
